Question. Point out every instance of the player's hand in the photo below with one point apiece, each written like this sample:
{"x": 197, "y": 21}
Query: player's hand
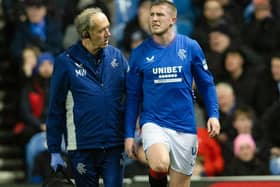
{"x": 213, "y": 127}
{"x": 130, "y": 148}
{"x": 56, "y": 160}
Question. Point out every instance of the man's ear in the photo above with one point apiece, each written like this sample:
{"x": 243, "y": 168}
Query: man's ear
{"x": 85, "y": 34}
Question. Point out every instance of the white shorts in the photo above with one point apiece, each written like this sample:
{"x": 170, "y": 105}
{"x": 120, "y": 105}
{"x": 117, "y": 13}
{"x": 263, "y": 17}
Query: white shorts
{"x": 182, "y": 146}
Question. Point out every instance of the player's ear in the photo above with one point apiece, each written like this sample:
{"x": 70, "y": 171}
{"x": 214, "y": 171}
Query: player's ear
{"x": 174, "y": 19}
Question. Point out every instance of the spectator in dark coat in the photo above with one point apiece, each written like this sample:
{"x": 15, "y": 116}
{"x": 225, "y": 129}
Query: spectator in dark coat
{"x": 240, "y": 73}
{"x": 268, "y": 87}
{"x": 137, "y": 29}
{"x": 262, "y": 33}
{"x": 227, "y": 105}
{"x": 220, "y": 40}
{"x": 37, "y": 30}
{"x": 34, "y": 100}
{"x": 271, "y": 124}
{"x": 212, "y": 14}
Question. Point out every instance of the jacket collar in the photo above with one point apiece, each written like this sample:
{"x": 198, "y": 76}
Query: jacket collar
{"x": 79, "y": 53}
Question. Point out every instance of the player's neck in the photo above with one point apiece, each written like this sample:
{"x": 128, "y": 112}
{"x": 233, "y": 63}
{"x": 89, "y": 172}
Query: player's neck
{"x": 165, "y": 38}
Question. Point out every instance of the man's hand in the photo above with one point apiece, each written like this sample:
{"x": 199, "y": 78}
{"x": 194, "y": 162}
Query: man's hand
{"x": 130, "y": 148}
{"x": 213, "y": 126}
{"x": 56, "y": 160}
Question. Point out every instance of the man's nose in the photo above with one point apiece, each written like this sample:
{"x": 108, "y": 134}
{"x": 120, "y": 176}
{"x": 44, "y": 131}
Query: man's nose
{"x": 108, "y": 33}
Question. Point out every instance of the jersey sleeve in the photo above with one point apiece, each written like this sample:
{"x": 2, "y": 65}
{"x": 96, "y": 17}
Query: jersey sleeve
{"x": 133, "y": 94}
{"x": 204, "y": 81}
{"x": 56, "y": 119}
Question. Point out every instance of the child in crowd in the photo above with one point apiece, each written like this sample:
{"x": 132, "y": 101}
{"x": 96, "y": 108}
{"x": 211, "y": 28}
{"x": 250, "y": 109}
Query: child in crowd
{"x": 245, "y": 161}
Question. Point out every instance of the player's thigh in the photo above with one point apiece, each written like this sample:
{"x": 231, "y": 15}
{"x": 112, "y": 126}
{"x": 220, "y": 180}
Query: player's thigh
{"x": 156, "y": 146}
{"x": 183, "y": 151}
{"x": 141, "y": 155}
{"x": 178, "y": 179}
{"x": 113, "y": 167}
{"x": 84, "y": 171}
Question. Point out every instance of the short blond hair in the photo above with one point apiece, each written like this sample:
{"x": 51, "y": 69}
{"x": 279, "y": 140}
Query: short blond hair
{"x": 169, "y": 3}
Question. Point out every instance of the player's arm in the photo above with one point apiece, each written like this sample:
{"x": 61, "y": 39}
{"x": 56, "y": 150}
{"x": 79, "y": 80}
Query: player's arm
{"x": 206, "y": 87}
{"x": 56, "y": 118}
{"x": 133, "y": 97}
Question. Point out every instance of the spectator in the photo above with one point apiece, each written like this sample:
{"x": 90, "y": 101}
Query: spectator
{"x": 262, "y": 33}
{"x": 210, "y": 151}
{"x": 213, "y": 13}
{"x": 238, "y": 71}
{"x": 34, "y": 100}
{"x": 271, "y": 124}
{"x": 35, "y": 146}
{"x": 29, "y": 62}
{"x": 37, "y": 30}
{"x": 250, "y": 9}
{"x": 227, "y": 104}
{"x": 233, "y": 9}
{"x": 13, "y": 12}
{"x": 124, "y": 12}
{"x": 137, "y": 29}
{"x": 268, "y": 89}
{"x": 220, "y": 40}
{"x": 245, "y": 161}
{"x": 245, "y": 122}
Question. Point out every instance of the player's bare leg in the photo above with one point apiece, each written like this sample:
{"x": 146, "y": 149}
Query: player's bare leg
{"x": 179, "y": 179}
{"x": 159, "y": 161}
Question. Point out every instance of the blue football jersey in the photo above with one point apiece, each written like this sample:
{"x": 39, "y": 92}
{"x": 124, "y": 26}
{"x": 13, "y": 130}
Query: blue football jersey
{"x": 160, "y": 82}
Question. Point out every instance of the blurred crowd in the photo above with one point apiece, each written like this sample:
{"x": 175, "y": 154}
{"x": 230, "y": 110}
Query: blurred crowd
{"x": 241, "y": 41}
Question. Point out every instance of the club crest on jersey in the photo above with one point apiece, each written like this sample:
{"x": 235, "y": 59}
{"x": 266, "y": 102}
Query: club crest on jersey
{"x": 78, "y": 65}
{"x": 182, "y": 53}
{"x": 114, "y": 63}
{"x": 150, "y": 59}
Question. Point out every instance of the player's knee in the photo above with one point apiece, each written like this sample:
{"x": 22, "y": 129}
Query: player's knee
{"x": 160, "y": 166}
